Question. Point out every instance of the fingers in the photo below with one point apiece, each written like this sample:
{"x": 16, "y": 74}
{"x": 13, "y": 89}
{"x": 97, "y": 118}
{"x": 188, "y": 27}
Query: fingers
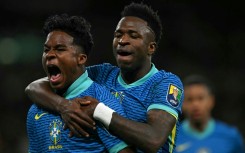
{"x": 78, "y": 123}
{"x": 77, "y": 131}
{"x": 84, "y": 103}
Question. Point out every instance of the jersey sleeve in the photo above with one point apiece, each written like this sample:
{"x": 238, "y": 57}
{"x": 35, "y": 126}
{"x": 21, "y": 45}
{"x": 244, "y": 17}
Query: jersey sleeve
{"x": 111, "y": 142}
{"x": 168, "y": 95}
{"x": 30, "y": 128}
{"x": 99, "y": 73}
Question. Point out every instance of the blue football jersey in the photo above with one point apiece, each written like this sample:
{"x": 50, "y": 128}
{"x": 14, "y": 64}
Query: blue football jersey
{"x": 45, "y": 130}
{"x": 150, "y": 92}
{"x": 217, "y": 137}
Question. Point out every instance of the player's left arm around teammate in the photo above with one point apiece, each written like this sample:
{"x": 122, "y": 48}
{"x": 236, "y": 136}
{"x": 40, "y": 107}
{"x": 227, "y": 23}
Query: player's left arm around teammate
{"x": 148, "y": 137}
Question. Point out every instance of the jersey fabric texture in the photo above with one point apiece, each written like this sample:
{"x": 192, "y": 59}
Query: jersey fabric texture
{"x": 45, "y": 130}
{"x": 150, "y": 92}
{"x": 217, "y": 137}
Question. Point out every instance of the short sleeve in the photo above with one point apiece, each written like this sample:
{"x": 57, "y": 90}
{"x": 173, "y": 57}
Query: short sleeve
{"x": 168, "y": 95}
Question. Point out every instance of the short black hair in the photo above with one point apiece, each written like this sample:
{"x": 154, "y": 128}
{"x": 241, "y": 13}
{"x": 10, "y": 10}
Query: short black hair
{"x": 147, "y": 14}
{"x": 76, "y": 26}
{"x": 196, "y": 79}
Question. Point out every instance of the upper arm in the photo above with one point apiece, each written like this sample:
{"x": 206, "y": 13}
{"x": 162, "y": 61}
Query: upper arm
{"x": 36, "y": 84}
{"x": 162, "y": 122}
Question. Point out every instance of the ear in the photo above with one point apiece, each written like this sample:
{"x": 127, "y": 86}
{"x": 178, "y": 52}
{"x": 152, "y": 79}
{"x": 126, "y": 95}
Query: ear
{"x": 82, "y": 58}
{"x": 152, "y": 48}
{"x": 212, "y": 101}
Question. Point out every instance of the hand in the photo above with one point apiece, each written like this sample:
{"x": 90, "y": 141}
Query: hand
{"x": 89, "y": 108}
{"x": 74, "y": 117}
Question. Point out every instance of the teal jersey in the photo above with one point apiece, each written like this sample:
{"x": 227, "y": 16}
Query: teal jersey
{"x": 45, "y": 129}
{"x": 150, "y": 92}
{"x": 217, "y": 137}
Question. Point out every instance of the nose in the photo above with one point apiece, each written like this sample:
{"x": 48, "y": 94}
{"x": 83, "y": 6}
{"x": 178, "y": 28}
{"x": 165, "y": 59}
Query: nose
{"x": 50, "y": 55}
{"x": 124, "y": 40}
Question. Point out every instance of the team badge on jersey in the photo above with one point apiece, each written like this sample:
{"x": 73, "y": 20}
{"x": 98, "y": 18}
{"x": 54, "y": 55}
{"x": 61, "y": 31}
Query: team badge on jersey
{"x": 119, "y": 95}
{"x": 174, "y": 95}
{"x": 55, "y": 131}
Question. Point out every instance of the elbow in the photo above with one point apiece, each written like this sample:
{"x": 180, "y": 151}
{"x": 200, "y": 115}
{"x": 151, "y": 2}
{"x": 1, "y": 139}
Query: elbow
{"x": 154, "y": 144}
{"x": 28, "y": 89}
{"x": 31, "y": 87}
{"x": 35, "y": 85}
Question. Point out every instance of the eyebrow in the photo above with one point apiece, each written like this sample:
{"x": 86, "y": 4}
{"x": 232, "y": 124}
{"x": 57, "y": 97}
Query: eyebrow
{"x": 56, "y": 46}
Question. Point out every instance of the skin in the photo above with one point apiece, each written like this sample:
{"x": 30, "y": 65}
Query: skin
{"x": 132, "y": 36}
{"x": 197, "y": 106}
{"x": 61, "y": 52}
{"x": 133, "y": 47}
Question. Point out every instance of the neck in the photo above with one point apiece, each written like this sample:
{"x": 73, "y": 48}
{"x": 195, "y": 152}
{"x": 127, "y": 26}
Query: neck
{"x": 199, "y": 125}
{"x": 130, "y": 76}
{"x": 75, "y": 77}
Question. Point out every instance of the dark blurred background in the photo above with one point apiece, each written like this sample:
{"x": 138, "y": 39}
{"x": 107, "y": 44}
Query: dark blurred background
{"x": 204, "y": 37}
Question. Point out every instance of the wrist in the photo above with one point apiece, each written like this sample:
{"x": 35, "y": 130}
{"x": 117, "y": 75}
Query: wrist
{"x": 103, "y": 114}
{"x": 61, "y": 105}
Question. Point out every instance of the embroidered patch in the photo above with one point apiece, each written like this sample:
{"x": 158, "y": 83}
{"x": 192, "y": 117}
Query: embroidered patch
{"x": 174, "y": 95}
{"x": 55, "y": 131}
{"x": 119, "y": 95}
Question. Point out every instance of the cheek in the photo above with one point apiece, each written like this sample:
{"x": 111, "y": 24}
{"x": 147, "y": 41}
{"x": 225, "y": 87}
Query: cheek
{"x": 114, "y": 43}
{"x": 44, "y": 63}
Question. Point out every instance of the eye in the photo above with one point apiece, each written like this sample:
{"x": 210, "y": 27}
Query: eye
{"x": 60, "y": 49}
{"x": 117, "y": 35}
{"x": 134, "y": 35}
{"x": 45, "y": 49}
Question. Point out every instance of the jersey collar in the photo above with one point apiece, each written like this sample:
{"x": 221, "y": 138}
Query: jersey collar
{"x": 140, "y": 81}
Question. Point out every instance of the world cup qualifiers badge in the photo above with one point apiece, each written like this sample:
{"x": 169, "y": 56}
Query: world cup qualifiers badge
{"x": 174, "y": 95}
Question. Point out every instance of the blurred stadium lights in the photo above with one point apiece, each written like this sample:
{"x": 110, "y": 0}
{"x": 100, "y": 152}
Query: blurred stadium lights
{"x": 20, "y": 49}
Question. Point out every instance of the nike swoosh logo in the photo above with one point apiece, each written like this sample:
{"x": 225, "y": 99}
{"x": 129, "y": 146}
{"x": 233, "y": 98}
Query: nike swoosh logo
{"x": 183, "y": 147}
{"x": 37, "y": 117}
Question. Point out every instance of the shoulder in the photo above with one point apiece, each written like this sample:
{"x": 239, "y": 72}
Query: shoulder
{"x": 103, "y": 65}
{"x": 168, "y": 75}
{"x": 168, "y": 79}
{"x": 227, "y": 129}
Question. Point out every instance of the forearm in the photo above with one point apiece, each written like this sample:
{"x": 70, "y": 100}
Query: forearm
{"x": 148, "y": 137}
{"x": 43, "y": 95}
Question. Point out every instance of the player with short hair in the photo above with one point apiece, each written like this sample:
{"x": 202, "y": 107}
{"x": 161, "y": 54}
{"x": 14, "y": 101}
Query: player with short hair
{"x": 68, "y": 43}
{"x": 141, "y": 88}
{"x": 200, "y": 132}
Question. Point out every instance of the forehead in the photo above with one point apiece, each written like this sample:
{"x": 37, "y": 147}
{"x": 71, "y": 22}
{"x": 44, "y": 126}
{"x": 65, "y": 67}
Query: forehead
{"x": 196, "y": 89}
{"x": 59, "y": 37}
{"x": 132, "y": 23}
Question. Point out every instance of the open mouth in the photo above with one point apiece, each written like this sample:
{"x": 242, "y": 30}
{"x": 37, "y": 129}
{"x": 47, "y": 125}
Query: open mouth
{"x": 53, "y": 72}
{"x": 123, "y": 53}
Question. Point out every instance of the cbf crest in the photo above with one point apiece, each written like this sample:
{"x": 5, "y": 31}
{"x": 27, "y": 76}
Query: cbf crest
{"x": 174, "y": 95}
{"x": 119, "y": 95}
{"x": 55, "y": 131}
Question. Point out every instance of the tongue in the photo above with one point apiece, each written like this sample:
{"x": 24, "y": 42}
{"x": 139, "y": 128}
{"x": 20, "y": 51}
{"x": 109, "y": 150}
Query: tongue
{"x": 54, "y": 78}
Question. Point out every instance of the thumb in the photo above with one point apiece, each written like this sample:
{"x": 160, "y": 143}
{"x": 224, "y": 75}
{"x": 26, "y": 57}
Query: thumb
{"x": 85, "y": 103}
